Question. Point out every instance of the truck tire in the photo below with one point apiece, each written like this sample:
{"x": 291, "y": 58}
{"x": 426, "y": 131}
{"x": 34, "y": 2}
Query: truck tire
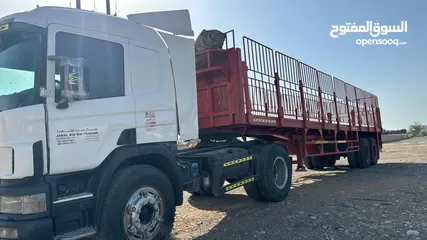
{"x": 375, "y": 153}
{"x": 352, "y": 159}
{"x": 308, "y": 163}
{"x": 364, "y": 154}
{"x": 320, "y": 162}
{"x": 329, "y": 160}
{"x": 317, "y": 163}
{"x": 275, "y": 176}
{"x": 253, "y": 192}
{"x": 139, "y": 196}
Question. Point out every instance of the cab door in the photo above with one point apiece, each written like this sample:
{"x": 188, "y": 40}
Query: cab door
{"x": 83, "y": 132}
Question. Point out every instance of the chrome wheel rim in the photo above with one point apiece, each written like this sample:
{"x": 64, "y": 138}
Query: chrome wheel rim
{"x": 280, "y": 172}
{"x": 143, "y": 213}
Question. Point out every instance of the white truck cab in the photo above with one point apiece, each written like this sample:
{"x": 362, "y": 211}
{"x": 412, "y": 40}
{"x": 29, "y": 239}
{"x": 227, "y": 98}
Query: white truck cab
{"x": 75, "y": 86}
{"x": 91, "y": 109}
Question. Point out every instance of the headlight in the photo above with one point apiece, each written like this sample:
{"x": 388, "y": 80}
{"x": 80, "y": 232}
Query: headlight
{"x": 8, "y": 233}
{"x": 28, "y": 204}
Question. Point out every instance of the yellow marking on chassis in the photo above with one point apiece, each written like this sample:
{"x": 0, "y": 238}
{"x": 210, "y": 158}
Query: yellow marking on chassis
{"x": 4, "y": 27}
{"x": 323, "y": 141}
{"x": 263, "y": 120}
{"x": 239, "y": 184}
{"x": 240, "y": 160}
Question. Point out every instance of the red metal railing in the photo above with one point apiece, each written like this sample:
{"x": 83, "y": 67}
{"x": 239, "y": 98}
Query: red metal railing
{"x": 326, "y": 90}
{"x": 343, "y": 113}
{"x": 288, "y": 80}
{"x": 230, "y": 41}
{"x": 310, "y": 85}
{"x": 261, "y": 85}
{"x": 280, "y": 85}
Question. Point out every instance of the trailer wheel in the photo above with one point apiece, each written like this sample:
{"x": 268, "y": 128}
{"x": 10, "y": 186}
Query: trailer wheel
{"x": 140, "y": 204}
{"x": 364, "y": 154}
{"x": 275, "y": 175}
{"x": 320, "y": 162}
{"x": 308, "y": 162}
{"x": 317, "y": 163}
{"x": 329, "y": 161}
{"x": 352, "y": 159}
{"x": 374, "y": 151}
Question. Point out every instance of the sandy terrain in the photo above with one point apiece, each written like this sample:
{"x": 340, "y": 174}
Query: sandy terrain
{"x": 387, "y": 201}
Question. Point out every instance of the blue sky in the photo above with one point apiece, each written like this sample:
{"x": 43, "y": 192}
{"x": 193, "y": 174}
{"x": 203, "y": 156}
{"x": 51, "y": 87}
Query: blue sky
{"x": 397, "y": 75}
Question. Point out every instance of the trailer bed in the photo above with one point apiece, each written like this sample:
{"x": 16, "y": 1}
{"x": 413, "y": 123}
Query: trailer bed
{"x": 271, "y": 82}
{"x": 256, "y": 91}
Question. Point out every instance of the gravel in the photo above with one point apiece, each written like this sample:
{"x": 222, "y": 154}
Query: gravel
{"x": 387, "y": 201}
{"x": 348, "y": 205}
{"x": 412, "y": 232}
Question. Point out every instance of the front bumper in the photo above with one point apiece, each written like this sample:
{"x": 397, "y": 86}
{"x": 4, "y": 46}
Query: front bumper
{"x": 38, "y": 229}
{"x": 32, "y": 226}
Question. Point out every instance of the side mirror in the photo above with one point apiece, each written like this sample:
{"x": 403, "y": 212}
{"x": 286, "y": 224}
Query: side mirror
{"x": 72, "y": 83}
{"x": 63, "y": 104}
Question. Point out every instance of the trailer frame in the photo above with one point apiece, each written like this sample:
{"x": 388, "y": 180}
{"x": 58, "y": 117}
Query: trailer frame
{"x": 257, "y": 92}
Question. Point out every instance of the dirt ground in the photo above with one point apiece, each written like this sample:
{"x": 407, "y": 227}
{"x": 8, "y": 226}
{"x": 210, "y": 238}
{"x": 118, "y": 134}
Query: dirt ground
{"x": 387, "y": 201}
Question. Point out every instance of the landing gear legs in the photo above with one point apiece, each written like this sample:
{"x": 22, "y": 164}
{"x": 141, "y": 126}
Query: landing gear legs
{"x": 301, "y": 168}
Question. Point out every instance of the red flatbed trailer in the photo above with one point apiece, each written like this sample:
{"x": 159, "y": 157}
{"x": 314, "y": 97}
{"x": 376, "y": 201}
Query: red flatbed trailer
{"x": 269, "y": 95}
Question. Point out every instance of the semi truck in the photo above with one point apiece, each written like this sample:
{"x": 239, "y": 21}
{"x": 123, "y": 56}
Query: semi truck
{"x": 92, "y": 107}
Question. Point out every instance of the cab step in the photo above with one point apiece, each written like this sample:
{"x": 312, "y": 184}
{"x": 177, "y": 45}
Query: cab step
{"x": 73, "y": 197}
{"x": 77, "y": 234}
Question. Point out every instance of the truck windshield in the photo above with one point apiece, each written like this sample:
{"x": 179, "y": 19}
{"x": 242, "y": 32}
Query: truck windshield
{"x": 19, "y": 53}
